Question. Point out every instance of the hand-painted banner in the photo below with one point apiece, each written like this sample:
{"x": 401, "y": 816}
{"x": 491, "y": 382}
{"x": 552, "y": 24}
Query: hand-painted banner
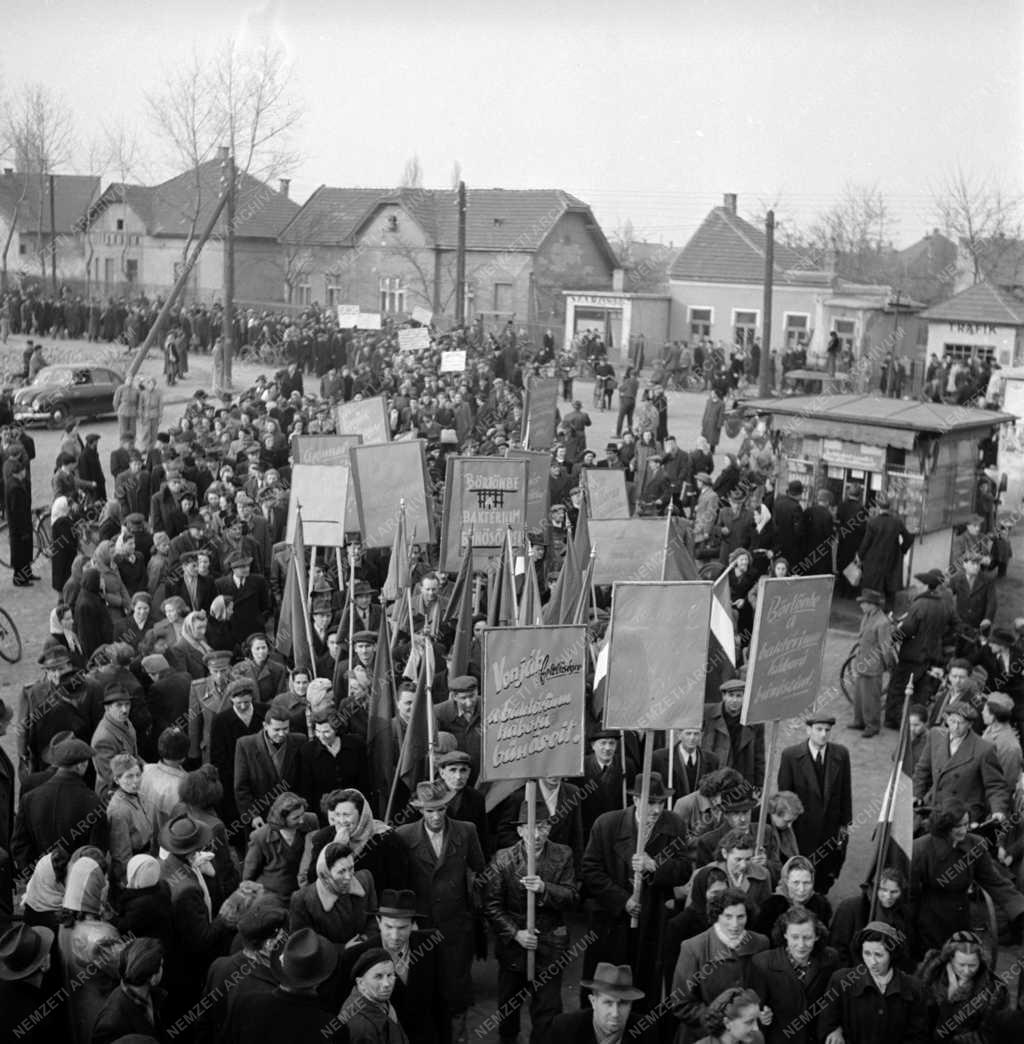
{"x": 368, "y": 320}
{"x": 657, "y": 655}
{"x": 453, "y": 362}
{"x": 787, "y": 648}
{"x": 538, "y": 492}
{"x": 539, "y": 416}
{"x": 413, "y": 339}
{"x": 348, "y": 316}
{"x": 383, "y": 476}
{"x": 488, "y": 496}
{"x": 367, "y": 418}
{"x": 534, "y": 693}
{"x": 323, "y": 449}
{"x": 322, "y": 491}
{"x": 606, "y": 492}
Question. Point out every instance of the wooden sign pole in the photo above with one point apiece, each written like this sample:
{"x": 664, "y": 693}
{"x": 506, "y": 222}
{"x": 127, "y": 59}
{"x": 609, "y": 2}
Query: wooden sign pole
{"x": 664, "y": 576}
{"x": 641, "y": 840}
{"x": 762, "y": 818}
{"x": 531, "y": 869}
{"x": 351, "y": 606}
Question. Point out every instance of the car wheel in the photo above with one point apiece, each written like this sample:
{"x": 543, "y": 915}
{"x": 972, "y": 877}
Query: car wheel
{"x": 58, "y": 415}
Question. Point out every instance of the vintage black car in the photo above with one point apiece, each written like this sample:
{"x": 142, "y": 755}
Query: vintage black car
{"x": 64, "y": 391}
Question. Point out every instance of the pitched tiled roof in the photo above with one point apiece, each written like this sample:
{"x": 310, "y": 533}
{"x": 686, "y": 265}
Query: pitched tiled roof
{"x": 496, "y": 219}
{"x": 727, "y": 249}
{"x": 72, "y": 194}
{"x": 981, "y": 303}
{"x": 168, "y": 209}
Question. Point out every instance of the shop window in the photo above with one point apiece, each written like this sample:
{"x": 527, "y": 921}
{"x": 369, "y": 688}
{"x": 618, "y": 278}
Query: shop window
{"x": 846, "y": 331}
{"x": 965, "y": 353}
{"x": 700, "y": 322}
{"x": 392, "y": 295}
{"x": 503, "y": 297}
{"x": 744, "y": 328}
{"x": 796, "y": 327}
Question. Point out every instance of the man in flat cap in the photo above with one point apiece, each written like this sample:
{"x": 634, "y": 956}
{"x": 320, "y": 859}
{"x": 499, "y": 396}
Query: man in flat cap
{"x": 207, "y": 698}
{"x": 460, "y": 715}
{"x": 997, "y": 713}
{"x": 468, "y": 804}
{"x": 736, "y": 746}
{"x": 818, "y": 772}
{"x": 251, "y": 593}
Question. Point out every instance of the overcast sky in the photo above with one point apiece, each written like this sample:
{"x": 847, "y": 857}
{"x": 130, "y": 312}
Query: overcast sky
{"x": 646, "y": 110}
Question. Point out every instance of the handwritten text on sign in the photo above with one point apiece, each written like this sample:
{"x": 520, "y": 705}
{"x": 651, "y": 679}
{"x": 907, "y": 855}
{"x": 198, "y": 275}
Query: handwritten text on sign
{"x": 533, "y": 702}
{"x": 790, "y": 623}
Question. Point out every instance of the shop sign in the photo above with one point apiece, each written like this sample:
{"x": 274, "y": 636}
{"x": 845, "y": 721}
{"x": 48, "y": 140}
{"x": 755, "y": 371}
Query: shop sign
{"x": 853, "y": 455}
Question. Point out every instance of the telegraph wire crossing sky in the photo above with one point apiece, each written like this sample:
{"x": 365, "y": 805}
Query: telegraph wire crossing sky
{"x": 648, "y": 112}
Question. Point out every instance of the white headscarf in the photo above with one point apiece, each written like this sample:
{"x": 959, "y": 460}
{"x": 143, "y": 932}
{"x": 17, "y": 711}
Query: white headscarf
{"x": 60, "y": 509}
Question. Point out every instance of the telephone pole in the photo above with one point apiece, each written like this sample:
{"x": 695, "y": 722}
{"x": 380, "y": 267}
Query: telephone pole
{"x": 228, "y": 322}
{"x": 460, "y": 260}
{"x": 53, "y": 239}
{"x": 764, "y": 371}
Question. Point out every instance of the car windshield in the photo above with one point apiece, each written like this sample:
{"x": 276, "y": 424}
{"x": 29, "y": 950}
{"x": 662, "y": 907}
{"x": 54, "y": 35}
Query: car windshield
{"x": 52, "y": 375}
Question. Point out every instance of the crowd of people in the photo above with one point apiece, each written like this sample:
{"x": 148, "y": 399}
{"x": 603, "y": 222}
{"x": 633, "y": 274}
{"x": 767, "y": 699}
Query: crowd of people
{"x": 200, "y": 847}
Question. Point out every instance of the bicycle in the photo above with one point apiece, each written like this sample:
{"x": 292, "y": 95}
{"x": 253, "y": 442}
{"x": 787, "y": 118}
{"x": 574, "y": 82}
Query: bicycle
{"x": 42, "y": 535}
{"x": 10, "y": 640}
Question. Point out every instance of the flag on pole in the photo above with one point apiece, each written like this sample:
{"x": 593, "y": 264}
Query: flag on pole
{"x": 412, "y": 764}
{"x": 463, "y": 610}
{"x": 723, "y": 630}
{"x": 500, "y": 590}
{"x": 292, "y": 638}
{"x": 380, "y": 739}
{"x": 530, "y": 610}
{"x": 600, "y": 677}
{"x": 399, "y": 573}
{"x": 463, "y": 580}
{"x": 894, "y": 834}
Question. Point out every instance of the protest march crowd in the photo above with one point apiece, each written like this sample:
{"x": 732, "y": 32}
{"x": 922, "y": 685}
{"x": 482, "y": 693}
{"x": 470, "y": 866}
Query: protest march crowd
{"x": 253, "y": 801}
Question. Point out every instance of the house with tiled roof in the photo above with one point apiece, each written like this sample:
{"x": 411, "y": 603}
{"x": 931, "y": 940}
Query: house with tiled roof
{"x": 29, "y": 228}
{"x": 393, "y": 250}
{"x": 716, "y": 283}
{"x": 138, "y": 236}
{"x": 983, "y": 321}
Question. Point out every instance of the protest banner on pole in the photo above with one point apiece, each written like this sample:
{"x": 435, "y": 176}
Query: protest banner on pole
{"x": 348, "y": 316}
{"x": 539, "y": 414}
{"x": 323, "y": 449}
{"x": 538, "y": 491}
{"x": 367, "y": 418}
{"x": 413, "y": 339}
{"x": 657, "y": 654}
{"x": 485, "y": 495}
{"x": 383, "y": 475}
{"x": 323, "y": 492}
{"x": 606, "y": 492}
{"x": 453, "y": 362}
{"x": 634, "y": 549}
{"x": 534, "y": 692}
{"x": 422, "y": 315}
{"x": 368, "y": 320}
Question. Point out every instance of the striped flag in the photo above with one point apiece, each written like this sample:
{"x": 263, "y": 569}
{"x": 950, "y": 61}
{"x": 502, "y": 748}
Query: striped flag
{"x": 894, "y": 835}
{"x": 723, "y": 630}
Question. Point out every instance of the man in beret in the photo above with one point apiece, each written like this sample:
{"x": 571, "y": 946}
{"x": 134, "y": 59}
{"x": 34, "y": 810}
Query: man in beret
{"x": 996, "y": 713}
{"x": 921, "y": 632}
{"x": 253, "y": 603}
{"x": 957, "y": 763}
{"x": 460, "y": 715}
{"x": 818, "y": 772}
{"x": 63, "y": 811}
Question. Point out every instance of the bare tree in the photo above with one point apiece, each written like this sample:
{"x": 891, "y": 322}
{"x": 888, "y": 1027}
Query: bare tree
{"x": 38, "y": 131}
{"x": 983, "y": 219}
{"x": 787, "y": 229}
{"x": 412, "y": 173}
{"x": 858, "y": 228}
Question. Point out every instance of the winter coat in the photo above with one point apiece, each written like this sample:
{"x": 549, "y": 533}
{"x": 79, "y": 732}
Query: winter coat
{"x": 775, "y": 982}
{"x": 854, "y": 1005}
{"x": 967, "y": 1016}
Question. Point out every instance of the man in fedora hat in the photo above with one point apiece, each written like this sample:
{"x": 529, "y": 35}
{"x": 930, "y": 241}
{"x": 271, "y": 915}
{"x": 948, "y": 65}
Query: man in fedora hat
{"x": 556, "y": 887}
{"x": 876, "y": 654}
{"x": 444, "y": 857}
{"x": 603, "y": 777}
{"x": 114, "y": 735}
{"x": 818, "y": 772}
{"x": 58, "y": 702}
{"x": 996, "y": 714}
{"x": 251, "y": 594}
{"x": 610, "y": 861}
{"x": 365, "y": 615}
{"x": 564, "y": 805}
{"x": 24, "y": 962}
{"x": 609, "y": 1017}
{"x": 920, "y": 632}
{"x": 64, "y": 811}
{"x": 418, "y": 997}
{"x": 294, "y": 1010}
{"x": 790, "y": 525}
{"x": 880, "y": 555}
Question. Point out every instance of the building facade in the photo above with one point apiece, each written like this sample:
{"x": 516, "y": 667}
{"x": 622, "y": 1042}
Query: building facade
{"x": 983, "y": 321}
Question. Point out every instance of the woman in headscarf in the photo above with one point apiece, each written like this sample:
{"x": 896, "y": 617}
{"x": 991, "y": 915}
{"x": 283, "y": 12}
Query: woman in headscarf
{"x": 63, "y": 543}
{"x": 368, "y": 1014}
{"x": 44, "y": 893}
{"x": 92, "y": 620}
{"x": 131, "y": 825}
{"x": 62, "y": 632}
{"x": 338, "y": 903}
{"x": 144, "y": 904}
{"x": 275, "y": 849}
{"x": 187, "y": 654}
{"x": 374, "y": 844}
{"x": 795, "y": 888}
{"x": 115, "y": 594}
{"x": 174, "y": 612}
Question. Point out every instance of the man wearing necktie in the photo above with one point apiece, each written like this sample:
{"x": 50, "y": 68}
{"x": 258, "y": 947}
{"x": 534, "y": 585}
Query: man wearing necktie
{"x": 818, "y": 772}
{"x": 691, "y": 763}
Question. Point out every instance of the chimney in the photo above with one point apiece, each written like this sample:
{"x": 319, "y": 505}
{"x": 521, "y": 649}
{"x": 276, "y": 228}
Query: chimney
{"x": 283, "y": 184}
{"x": 830, "y": 261}
{"x": 222, "y": 152}
{"x": 729, "y": 202}
{"x": 8, "y": 171}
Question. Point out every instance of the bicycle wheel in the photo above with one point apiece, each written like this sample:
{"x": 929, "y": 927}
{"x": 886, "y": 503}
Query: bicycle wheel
{"x": 5, "y": 546}
{"x": 10, "y": 640}
{"x": 44, "y": 535}
{"x": 847, "y": 674}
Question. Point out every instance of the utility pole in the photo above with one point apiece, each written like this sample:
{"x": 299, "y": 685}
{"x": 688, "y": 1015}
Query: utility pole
{"x": 460, "y": 260}
{"x": 228, "y": 325}
{"x": 764, "y": 370}
{"x": 53, "y": 240}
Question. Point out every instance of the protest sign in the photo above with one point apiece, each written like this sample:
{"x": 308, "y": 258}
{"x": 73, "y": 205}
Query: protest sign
{"x": 422, "y": 315}
{"x": 657, "y": 655}
{"x": 539, "y": 415}
{"x": 606, "y": 492}
{"x": 348, "y": 316}
{"x": 534, "y": 688}
{"x": 488, "y": 496}
{"x": 634, "y": 549}
{"x": 323, "y": 449}
{"x": 413, "y": 339}
{"x": 383, "y": 476}
{"x": 367, "y": 418}
{"x": 453, "y": 362}
{"x": 787, "y": 647}
{"x": 538, "y": 492}
{"x": 322, "y": 491}
{"x": 368, "y": 320}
